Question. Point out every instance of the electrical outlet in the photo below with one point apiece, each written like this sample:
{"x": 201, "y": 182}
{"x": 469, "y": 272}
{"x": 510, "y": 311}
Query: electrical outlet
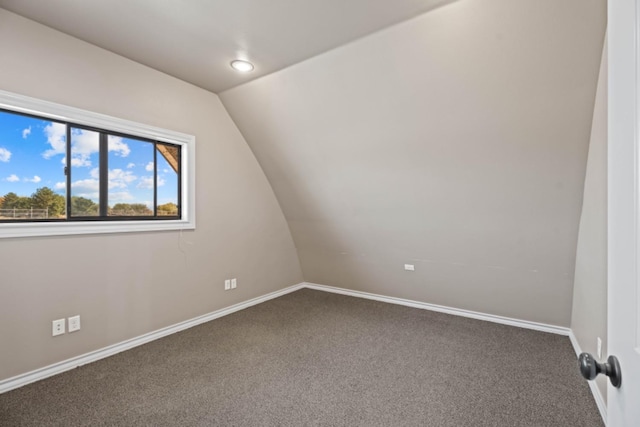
{"x": 409, "y": 267}
{"x": 599, "y": 349}
{"x": 74, "y": 323}
{"x": 234, "y": 283}
{"x": 227, "y": 285}
{"x": 58, "y": 327}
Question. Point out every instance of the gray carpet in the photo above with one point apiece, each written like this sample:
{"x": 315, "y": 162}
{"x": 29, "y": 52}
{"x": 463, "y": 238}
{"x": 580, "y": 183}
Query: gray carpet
{"x": 315, "y": 358}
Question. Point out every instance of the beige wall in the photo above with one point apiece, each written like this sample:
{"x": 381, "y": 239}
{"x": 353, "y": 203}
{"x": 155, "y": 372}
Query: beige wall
{"x": 589, "y": 315}
{"x": 456, "y": 141}
{"x": 128, "y": 284}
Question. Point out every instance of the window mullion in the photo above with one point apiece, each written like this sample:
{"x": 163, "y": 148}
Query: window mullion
{"x": 67, "y": 173}
{"x": 155, "y": 179}
{"x": 104, "y": 175}
{"x": 179, "y": 202}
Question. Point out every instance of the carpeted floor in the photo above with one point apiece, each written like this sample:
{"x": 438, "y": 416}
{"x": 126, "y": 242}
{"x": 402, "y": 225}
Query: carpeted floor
{"x": 315, "y": 358}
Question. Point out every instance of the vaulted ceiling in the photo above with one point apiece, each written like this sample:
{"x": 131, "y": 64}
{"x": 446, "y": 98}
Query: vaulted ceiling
{"x": 196, "y": 40}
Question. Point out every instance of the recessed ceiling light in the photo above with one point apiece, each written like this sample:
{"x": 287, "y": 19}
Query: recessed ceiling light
{"x": 242, "y": 66}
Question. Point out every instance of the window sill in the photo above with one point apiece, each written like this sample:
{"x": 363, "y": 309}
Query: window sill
{"x": 9, "y": 230}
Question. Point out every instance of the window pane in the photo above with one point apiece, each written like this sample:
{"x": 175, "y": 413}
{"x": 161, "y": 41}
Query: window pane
{"x": 32, "y": 158}
{"x": 85, "y": 173}
{"x": 168, "y": 157}
{"x": 131, "y": 169}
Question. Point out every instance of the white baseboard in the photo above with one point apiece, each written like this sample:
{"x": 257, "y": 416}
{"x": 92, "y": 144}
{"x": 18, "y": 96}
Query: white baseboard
{"x": 66, "y": 365}
{"x": 597, "y": 395}
{"x": 74, "y": 362}
{"x": 560, "y": 330}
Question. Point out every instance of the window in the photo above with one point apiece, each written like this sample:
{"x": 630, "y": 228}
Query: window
{"x": 68, "y": 171}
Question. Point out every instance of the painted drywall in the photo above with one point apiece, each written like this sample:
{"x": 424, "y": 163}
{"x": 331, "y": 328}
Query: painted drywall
{"x": 589, "y": 314}
{"x": 456, "y": 141}
{"x": 126, "y": 285}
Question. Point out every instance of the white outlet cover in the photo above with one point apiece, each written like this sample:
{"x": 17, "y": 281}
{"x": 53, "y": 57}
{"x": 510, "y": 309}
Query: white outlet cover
{"x": 74, "y": 323}
{"x": 58, "y": 327}
{"x": 227, "y": 285}
{"x": 234, "y": 283}
{"x": 409, "y": 267}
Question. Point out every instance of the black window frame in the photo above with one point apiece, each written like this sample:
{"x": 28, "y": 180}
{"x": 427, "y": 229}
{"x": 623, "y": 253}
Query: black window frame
{"x": 103, "y": 176}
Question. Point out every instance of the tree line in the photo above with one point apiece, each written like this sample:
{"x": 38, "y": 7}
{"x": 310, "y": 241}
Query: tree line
{"x": 45, "y": 198}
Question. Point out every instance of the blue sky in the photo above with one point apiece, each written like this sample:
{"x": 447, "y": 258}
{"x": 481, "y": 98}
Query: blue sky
{"x": 33, "y": 155}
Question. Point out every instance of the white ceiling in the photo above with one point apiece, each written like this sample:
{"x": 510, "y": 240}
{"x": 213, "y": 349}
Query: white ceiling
{"x": 195, "y": 40}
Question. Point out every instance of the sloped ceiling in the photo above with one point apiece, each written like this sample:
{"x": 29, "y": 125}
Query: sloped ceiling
{"x": 455, "y": 141}
{"x": 195, "y": 40}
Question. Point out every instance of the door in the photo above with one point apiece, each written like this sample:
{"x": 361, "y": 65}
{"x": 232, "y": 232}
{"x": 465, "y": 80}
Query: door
{"x": 624, "y": 210}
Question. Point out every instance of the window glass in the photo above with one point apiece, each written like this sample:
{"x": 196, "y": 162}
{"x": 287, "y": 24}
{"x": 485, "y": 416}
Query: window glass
{"x": 85, "y": 173}
{"x": 131, "y": 177}
{"x": 73, "y": 171}
{"x": 167, "y": 181}
{"x": 32, "y": 161}
{"x": 131, "y": 172}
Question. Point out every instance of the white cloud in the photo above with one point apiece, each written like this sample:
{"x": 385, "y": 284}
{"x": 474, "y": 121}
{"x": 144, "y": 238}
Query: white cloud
{"x": 149, "y": 167}
{"x": 119, "y": 178}
{"x": 90, "y": 187}
{"x": 120, "y": 196}
{"x": 131, "y": 165}
{"x": 5, "y": 155}
{"x": 85, "y": 185}
{"x": 146, "y": 183}
{"x": 77, "y": 161}
{"x": 36, "y": 179}
{"x": 80, "y": 162}
{"x": 84, "y": 143}
{"x": 118, "y": 146}
{"x": 87, "y": 188}
{"x": 56, "y": 137}
{"x": 26, "y": 132}
{"x": 12, "y": 178}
